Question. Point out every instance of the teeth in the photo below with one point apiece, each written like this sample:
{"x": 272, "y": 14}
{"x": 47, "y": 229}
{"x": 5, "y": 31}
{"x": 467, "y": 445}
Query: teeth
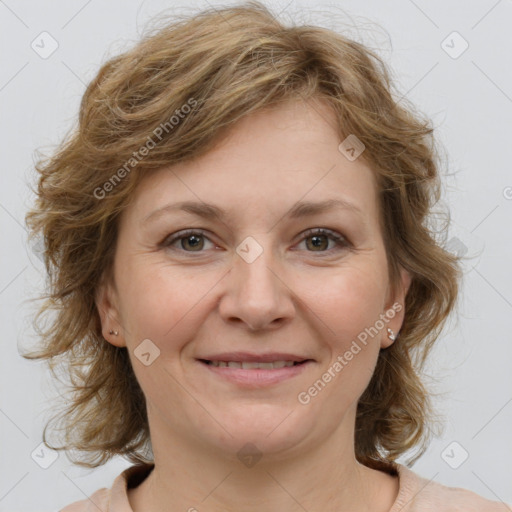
{"x": 247, "y": 365}
{"x": 251, "y": 364}
{"x": 282, "y": 364}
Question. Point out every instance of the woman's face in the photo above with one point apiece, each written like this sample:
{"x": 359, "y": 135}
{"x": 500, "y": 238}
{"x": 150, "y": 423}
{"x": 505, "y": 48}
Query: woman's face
{"x": 244, "y": 325}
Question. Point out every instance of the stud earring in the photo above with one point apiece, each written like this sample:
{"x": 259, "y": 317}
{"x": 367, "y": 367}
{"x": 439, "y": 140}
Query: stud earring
{"x": 115, "y": 333}
{"x": 391, "y": 335}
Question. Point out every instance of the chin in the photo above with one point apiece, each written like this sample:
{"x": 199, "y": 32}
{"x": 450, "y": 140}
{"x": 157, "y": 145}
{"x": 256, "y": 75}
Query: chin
{"x": 265, "y": 430}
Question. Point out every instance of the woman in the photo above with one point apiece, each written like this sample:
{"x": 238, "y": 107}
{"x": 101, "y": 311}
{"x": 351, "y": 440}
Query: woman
{"x": 244, "y": 281}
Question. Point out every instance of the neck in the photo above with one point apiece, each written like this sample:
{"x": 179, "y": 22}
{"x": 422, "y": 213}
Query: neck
{"x": 323, "y": 476}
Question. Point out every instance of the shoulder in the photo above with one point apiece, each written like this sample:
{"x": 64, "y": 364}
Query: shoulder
{"x": 98, "y": 502}
{"x": 114, "y": 499}
{"x": 418, "y": 494}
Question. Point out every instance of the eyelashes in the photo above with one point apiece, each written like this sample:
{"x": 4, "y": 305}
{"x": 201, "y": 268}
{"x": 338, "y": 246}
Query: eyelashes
{"x": 195, "y": 239}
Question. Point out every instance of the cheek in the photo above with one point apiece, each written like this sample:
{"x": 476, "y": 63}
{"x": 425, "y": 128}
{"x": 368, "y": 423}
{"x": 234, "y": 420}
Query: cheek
{"x": 160, "y": 301}
{"x": 349, "y": 308}
{"x": 349, "y": 302}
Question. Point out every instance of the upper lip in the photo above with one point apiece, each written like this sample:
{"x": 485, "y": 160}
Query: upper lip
{"x": 268, "y": 357}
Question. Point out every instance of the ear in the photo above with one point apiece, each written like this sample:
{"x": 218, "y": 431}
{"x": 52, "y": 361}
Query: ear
{"x": 107, "y": 305}
{"x": 395, "y": 308}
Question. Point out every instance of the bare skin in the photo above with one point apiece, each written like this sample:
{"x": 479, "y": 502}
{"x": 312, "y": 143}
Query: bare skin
{"x": 305, "y": 295}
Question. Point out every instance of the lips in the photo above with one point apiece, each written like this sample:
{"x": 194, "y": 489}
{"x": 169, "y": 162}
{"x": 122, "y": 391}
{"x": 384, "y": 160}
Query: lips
{"x": 255, "y": 370}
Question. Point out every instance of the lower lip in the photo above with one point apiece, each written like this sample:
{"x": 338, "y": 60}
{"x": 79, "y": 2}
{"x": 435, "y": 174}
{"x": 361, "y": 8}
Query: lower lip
{"x": 256, "y": 377}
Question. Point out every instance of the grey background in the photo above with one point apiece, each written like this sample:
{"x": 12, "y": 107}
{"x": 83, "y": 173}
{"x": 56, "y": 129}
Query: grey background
{"x": 468, "y": 97}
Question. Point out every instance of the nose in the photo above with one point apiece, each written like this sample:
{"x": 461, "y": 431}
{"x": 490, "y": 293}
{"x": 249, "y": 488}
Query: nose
{"x": 257, "y": 294}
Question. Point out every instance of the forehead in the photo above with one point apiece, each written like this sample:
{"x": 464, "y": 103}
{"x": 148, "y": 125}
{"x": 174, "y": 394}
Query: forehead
{"x": 267, "y": 162}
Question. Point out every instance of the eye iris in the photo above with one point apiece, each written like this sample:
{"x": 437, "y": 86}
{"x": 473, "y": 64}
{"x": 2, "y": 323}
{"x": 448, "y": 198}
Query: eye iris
{"x": 197, "y": 242}
{"x": 317, "y": 242}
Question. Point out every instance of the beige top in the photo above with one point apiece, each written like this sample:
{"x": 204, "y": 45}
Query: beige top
{"x": 416, "y": 494}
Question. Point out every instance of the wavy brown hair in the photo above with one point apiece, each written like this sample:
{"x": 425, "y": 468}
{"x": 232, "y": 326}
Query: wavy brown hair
{"x": 229, "y": 63}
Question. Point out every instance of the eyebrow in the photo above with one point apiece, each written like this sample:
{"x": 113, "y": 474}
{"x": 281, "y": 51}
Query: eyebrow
{"x": 210, "y": 211}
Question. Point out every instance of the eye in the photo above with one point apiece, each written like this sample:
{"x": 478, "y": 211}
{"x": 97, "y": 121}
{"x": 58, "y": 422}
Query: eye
{"x": 190, "y": 240}
{"x": 194, "y": 240}
{"x": 316, "y": 240}
{"x": 320, "y": 239}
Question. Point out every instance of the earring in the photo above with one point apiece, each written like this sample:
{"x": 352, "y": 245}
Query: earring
{"x": 391, "y": 335}
{"x": 115, "y": 333}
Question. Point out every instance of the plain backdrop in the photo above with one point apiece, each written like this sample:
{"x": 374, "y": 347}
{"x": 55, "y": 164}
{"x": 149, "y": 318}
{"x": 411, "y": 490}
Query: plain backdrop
{"x": 461, "y": 80}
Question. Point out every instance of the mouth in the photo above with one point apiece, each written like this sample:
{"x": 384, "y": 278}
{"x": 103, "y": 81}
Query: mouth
{"x": 253, "y": 365}
{"x": 253, "y": 370}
